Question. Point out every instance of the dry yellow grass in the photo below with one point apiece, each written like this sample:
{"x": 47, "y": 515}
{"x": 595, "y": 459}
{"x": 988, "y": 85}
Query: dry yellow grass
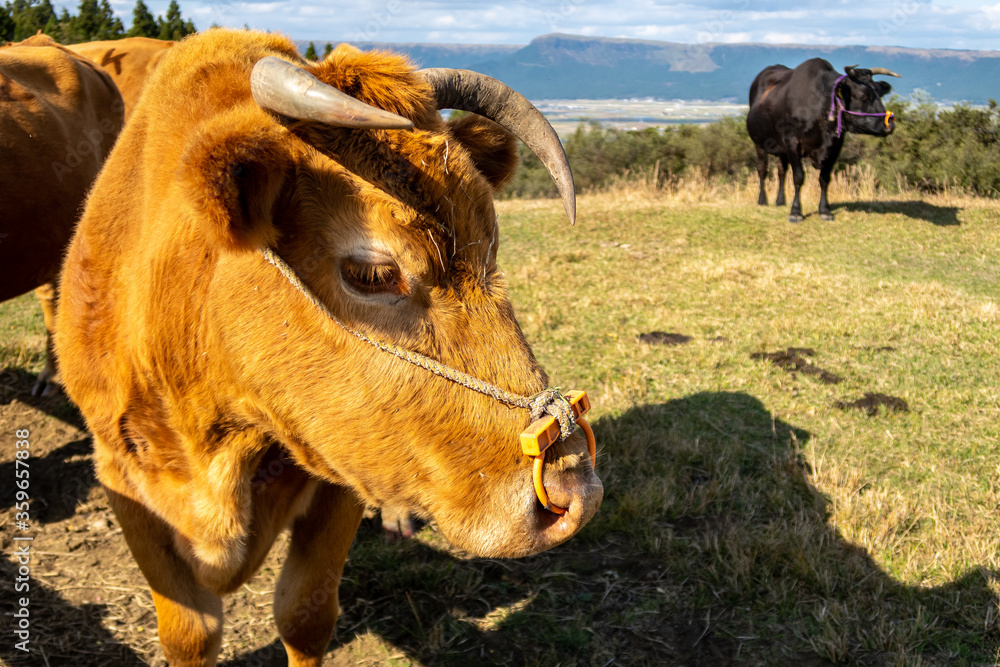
{"x": 897, "y": 295}
{"x": 853, "y": 184}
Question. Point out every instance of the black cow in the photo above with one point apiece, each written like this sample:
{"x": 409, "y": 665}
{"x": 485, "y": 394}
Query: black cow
{"x": 804, "y": 112}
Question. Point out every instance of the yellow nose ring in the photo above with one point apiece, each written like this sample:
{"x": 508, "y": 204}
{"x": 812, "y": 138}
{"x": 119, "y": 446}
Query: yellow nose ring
{"x": 540, "y": 435}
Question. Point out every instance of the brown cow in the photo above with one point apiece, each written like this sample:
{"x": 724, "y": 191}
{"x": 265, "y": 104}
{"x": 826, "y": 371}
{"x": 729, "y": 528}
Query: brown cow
{"x": 129, "y": 61}
{"x": 239, "y": 302}
{"x": 59, "y": 117}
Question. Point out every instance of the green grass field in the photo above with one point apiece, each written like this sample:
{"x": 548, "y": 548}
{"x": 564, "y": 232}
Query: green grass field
{"x": 22, "y": 334}
{"x": 792, "y": 524}
{"x": 747, "y": 518}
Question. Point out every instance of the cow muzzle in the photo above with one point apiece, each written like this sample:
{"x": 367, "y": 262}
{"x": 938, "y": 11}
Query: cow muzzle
{"x": 571, "y": 489}
{"x": 567, "y": 488}
{"x": 542, "y": 433}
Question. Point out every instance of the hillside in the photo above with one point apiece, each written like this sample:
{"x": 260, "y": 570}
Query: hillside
{"x": 573, "y": 67}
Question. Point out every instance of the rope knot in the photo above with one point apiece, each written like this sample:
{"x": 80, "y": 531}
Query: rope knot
{"x": 552, "y": 402}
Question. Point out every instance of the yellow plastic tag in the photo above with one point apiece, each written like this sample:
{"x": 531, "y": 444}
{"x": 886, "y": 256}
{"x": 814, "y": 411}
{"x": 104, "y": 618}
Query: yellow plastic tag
{"x": 541, "y": 433}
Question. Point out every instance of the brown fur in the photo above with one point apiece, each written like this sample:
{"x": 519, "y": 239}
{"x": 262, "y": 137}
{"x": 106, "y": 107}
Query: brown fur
{"x": 59, "y": 116}
{"x": 224, "y": 406}
{"x": 128, "y": 61}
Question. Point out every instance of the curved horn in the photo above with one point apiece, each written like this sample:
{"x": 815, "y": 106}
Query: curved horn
{"x": 484, "y": 95}
{"x": 280, "y": 86}
{"x": 884, "y": 72}
{"x": 848, "y": 68}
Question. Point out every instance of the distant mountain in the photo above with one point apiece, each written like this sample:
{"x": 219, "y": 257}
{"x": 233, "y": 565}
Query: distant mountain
{"x": 573, "y": 67}
{"x": 565, "y": 66}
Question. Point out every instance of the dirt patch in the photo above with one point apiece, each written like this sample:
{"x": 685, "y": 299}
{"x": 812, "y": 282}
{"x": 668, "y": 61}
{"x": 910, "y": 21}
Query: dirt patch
{"x": 664, "y": 338}
{"x": 871, "y": 401}
{"x": 878, "y": 348}
{"x": 794, "y": 360}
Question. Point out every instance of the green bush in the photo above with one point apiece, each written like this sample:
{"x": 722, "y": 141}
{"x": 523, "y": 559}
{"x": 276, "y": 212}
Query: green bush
{"x": 598, "y": 154}
{"x": 931, "y": 149}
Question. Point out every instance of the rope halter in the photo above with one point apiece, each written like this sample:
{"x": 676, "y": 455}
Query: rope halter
{"x": 837, "y": 107}
{"x": 554, "y": 417}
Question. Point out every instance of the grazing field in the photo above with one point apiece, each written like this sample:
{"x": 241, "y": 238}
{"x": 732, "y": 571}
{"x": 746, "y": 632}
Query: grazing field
{"x": 799, "y": 433}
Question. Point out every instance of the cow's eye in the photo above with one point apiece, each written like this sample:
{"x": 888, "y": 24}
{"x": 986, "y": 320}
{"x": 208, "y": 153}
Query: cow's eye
{"x": 373, "y": 278}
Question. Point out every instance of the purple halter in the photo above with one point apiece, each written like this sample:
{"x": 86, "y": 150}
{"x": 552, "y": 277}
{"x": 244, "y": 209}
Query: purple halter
{"x": 837, "y": 106}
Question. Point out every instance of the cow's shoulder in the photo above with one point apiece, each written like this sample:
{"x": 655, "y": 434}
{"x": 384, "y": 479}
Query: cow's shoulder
{"x": 42, "y": 68}
{"x": 815, "y": 67}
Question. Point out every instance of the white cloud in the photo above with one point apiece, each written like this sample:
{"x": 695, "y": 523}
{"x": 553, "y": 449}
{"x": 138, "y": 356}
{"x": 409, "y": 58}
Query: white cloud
{"x": 793, "y": 38}
{"x": 992, "y": 15}
{"x": 737, "y": 37}
{"x": 914, "y": 23}
{"x": 443, "y": 22}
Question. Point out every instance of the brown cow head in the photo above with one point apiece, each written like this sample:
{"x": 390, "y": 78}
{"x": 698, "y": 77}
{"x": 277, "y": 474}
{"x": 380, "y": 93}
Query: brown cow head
{"x": 395, "y": 232}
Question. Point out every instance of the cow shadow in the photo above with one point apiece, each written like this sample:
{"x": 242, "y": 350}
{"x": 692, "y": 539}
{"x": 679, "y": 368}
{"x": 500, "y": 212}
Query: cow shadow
{"x": 435, "y": 608}
{"x": 62, "y": 477}
{"x": 60, "y": 481}
{"x": 16, "y": 384}
{"x": 61, "y": 633}
{"x": 941, "y": 216}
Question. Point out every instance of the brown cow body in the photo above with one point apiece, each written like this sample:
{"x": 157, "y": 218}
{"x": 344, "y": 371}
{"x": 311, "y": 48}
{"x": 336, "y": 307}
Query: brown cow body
{"x": 225, "y": 406}
{"x": 59, "y": 117}
{"x": 129, "y": 61}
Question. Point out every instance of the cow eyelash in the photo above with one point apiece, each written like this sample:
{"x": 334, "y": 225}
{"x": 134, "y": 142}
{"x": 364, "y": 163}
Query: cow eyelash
{"x": 374, "y": 279}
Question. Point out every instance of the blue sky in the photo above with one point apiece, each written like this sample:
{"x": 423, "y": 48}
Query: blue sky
{"x": 953, "y": 24}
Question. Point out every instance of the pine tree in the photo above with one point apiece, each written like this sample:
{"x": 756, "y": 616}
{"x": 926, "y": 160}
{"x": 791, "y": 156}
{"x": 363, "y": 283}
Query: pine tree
{"x": 52, "y": 28}
{"x": 61, "y": 27}
{"x": 110, "y": 26}
{"x": 45, "y": 13}
{"x": 7, "y": 24}
{"x": 28, "y": 17}
{"x": 173, "y": 26}
{"x": 327, "y": 49}
{"x": 86, "y": 25}
{"x": 143, "y": 22}
{"x": 311, "y": 52}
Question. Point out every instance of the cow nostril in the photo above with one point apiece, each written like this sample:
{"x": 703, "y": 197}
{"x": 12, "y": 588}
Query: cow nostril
{"x": 538, "y": 479}
{"x": 563, "y": 487}
{"x": 538, "y": 472}
{"x": 577, "y": 489}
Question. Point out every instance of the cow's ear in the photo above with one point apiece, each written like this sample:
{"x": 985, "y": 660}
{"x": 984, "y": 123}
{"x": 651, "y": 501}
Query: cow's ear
{"x": 234, "y": 170}
{"x": 882, "y": 88}
{"x": 493, "y": 149}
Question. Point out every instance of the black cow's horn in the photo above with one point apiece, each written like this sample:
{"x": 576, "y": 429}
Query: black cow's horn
{"x": 484, "y": 95}
{"x": 280, "y": 86}
{"x": 885, "y": 72}
{"x": 848, "y": 68}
